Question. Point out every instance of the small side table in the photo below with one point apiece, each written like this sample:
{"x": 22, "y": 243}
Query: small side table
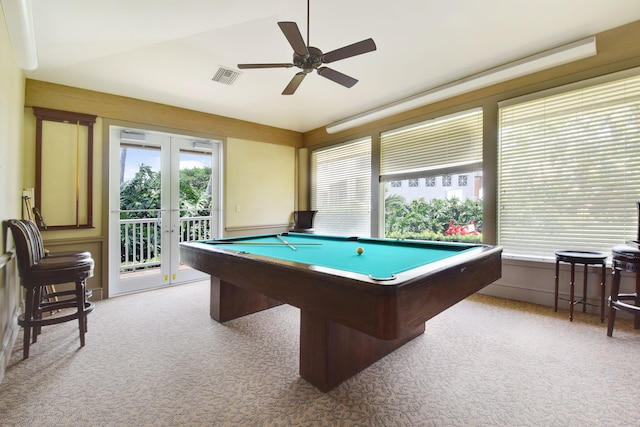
{"x": 586, "y": 258}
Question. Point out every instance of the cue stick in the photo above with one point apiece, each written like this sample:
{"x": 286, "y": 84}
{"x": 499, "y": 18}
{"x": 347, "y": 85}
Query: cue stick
{"x": 285, "y": 242}
{"x": 261, "y": 243}
{"x": 77, "y": 173}
{"x": 27, "y": 205}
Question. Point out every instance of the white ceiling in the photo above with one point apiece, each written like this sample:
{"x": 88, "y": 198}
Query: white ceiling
{"x": 167, "y": 51}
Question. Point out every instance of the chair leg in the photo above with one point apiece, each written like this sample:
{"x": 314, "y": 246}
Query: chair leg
{"x": 636, "y": 317}
{"x": 28, "y": 317}
{"x": 603, "y": 291}
{"x": 615, "y": 290}
{"x": 572, "y": 291}
{"x": 82, "y": 315}
{"x": 555, "y": 303}
{"x": 37, "y": 313}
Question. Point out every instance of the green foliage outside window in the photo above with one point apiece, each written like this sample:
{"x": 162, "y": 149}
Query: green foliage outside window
{"x": 419, "y": 219}
{"x": 140, "y": 193}
{"x": 143, "y": 192}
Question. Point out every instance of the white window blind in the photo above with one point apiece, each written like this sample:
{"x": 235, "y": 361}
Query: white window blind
{"x": 341, "y": 189}
{"x": 448, "y": 144}
{"x": 569, "y": 170}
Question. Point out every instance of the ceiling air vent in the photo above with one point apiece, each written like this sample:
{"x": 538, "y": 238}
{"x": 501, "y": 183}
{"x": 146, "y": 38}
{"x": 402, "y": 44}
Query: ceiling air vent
{"x": 226, "y": 76}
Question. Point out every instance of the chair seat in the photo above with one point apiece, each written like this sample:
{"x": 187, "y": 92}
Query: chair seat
{"x": 581, "y": 257}
{"x": 80, "y": 254}
{"x": 626, "y": 251}
{"x": 56, "y": 270}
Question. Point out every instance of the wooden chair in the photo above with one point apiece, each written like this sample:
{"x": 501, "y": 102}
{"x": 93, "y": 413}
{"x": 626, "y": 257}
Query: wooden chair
{"x": 625, "y": 258}
{"x": 303, "y": 221}
{"x": 49, "y": 292}
{"x": 38, "y": 271}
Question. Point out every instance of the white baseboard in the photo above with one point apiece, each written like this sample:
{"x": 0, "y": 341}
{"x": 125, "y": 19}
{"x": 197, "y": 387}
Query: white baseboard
{"x": 519, "y": 293}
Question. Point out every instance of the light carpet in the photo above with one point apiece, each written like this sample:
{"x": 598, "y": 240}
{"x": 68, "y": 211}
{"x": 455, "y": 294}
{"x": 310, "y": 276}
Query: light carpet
{"x": 158, "y": 359}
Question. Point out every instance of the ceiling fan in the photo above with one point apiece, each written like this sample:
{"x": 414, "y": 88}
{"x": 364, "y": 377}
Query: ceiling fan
{"x": 309, "y": 58}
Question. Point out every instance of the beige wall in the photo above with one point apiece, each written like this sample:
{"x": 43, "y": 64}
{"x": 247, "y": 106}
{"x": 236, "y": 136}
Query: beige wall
{"x": 11, "y": 152}
{"x": 259, "y": 189}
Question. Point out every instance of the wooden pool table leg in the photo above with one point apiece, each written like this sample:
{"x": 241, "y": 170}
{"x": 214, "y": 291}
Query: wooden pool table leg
{"x": 229, "y": 301}
{"x": 331, "y": 353}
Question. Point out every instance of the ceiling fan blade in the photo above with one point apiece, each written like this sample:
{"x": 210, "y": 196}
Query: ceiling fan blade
{"x": 246, "y": 66}
{"x": 359, "y": 48}
{"x": 337, "y": 76}
{"x": 292, "y": 33}
{"x": 294, "y": 83}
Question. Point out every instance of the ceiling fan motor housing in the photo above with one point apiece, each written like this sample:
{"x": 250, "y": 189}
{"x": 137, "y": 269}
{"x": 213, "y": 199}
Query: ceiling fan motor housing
{"x": 309, "y": 62}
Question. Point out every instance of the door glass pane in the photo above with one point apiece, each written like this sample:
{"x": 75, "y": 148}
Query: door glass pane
{"x": 140, "y": 204}
{"x": 196, "y": 195}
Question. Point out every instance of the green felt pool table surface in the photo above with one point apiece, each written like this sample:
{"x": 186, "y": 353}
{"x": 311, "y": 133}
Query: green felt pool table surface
{"x": 381, "y": 259}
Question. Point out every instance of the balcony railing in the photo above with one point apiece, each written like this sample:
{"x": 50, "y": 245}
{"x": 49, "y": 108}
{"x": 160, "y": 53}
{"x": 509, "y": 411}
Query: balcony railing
{"x": 141, "y": 240}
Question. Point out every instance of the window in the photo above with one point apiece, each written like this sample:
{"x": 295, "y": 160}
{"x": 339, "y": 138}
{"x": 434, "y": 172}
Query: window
{"x": 341, "y": 189}
{"x": 568, "y": 169}
{"x": 397, "y": 184}
{"x": 449, "y": 147}
{"x": 414, "y": 182}
{"x": 462, "y": 180}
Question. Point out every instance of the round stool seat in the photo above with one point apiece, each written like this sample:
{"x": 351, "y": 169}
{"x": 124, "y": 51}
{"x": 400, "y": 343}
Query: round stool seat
{"x": 75, "y": 254}
{"x": 55, "y": 270}
{"x": 581, "y": 257}
{"x": 625, "y": 251}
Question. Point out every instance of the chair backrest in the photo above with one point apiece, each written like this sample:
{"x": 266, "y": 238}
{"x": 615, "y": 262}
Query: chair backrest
{"x": 28, "y": 241}
{"x": 303, "y": 219}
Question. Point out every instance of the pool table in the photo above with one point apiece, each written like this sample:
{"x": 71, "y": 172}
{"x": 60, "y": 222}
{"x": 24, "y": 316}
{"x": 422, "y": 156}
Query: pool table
{"x": 354, "y": 308}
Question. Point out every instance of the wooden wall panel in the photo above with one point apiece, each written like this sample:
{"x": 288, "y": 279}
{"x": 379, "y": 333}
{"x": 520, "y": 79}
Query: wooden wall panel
{"x": 49, "y": 95}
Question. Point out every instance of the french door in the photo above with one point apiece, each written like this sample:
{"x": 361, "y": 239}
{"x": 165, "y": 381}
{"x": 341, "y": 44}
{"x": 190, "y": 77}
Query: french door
{"x": 164, "y": 189}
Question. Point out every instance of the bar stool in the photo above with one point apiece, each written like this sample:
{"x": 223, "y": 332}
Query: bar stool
{"x": 586, "y": 258}
{"x": 625, "y": 258}
{"x": 37, "y": 272}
